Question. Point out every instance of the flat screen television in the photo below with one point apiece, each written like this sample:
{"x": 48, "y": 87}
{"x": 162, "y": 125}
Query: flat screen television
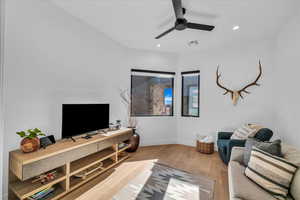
{"x": 83, "y": 118}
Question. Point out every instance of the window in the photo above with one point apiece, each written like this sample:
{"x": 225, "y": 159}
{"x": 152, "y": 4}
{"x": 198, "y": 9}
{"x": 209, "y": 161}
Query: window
{"x": 190, "y": 94}
{"x": 152, "y": 93}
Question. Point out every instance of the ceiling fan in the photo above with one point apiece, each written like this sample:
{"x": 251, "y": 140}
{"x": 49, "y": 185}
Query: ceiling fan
{"x": 181, "y": 23}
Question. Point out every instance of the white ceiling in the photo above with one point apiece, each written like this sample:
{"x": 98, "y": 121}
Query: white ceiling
{"x": 135, "y": 23}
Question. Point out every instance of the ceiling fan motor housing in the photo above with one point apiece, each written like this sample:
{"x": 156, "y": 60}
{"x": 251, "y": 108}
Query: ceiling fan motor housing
{"x": 180, "y": 24}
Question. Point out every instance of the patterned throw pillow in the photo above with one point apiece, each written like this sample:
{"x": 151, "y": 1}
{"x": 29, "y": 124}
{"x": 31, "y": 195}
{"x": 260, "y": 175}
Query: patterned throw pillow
{"x": 243, "y": 133}
{"x": 272, "y": 173}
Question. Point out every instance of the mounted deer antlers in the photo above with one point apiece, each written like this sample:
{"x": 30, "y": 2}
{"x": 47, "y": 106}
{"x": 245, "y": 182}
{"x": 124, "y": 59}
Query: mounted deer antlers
{"x": 235, "y": 94}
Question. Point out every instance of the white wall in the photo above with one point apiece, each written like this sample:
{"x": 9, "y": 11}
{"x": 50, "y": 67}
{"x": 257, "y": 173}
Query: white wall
{"x": 287, "y": 81}
{"x": 52, "y": 58}
{"x": 238, "y": 66}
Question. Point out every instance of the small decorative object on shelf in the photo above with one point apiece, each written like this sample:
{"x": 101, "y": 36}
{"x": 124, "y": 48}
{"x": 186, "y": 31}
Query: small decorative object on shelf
{"x": 45, "y": 178}
{"x": 134, "y": 141}
{"x": 205, "y": 144}
{"x": 113, "y": 127}
{"x": 30, "y": 142}
{"x": 118, "y": 124}
{"x": 46, "y": 141}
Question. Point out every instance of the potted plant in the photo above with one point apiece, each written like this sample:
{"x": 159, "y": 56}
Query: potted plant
{"x": 30, "y": 141}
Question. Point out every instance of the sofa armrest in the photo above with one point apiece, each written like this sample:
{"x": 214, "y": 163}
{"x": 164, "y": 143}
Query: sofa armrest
{"x": 232, "y": 144}
{"x": 237, "y": 154}
{"x": 224, "y": 135}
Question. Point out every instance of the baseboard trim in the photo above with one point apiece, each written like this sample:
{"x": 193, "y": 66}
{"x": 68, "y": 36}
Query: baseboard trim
{"x": 157, "y": 142}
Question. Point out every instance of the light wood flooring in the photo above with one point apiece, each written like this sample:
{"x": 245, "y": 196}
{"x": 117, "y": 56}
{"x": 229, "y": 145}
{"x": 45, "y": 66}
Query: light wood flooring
{"x": 179, "y": 156}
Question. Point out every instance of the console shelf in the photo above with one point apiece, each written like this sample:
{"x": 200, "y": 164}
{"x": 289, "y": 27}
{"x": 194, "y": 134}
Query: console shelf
{"x": 69, "y": 159}
{"x": 88, "y": 161}
{"x": 122, "y": 157}
{"x": 76, "y": 182}
{"x": 24, "y": 189}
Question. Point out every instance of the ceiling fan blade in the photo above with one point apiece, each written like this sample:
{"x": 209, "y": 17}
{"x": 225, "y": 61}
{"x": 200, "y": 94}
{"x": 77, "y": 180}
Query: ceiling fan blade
{"x": 177, "y": 4}
{"x": 165, "y": 33}
{"x": 202, "y": 27}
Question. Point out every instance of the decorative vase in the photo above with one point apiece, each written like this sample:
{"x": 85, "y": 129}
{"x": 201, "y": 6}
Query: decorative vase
{"x": 30, "y": 144}
{"x": 134, "y": 141}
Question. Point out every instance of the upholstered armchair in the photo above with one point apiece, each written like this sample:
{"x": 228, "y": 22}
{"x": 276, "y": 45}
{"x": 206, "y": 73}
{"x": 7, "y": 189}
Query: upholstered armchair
{"x": 225, "y": 144}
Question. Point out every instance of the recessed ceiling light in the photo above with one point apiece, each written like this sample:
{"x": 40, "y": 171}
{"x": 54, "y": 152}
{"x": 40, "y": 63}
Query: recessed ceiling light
{"x": 236, "y": 28}
{"x": 158, "y": 45}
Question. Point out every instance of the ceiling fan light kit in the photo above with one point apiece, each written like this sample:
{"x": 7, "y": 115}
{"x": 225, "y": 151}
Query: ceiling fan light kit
{"x": 181, "y": 23}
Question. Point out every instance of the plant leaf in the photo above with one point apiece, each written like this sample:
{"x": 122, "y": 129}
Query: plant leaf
{"x": 21, "y": 133}
{"x": 30, "y": 136}
{"x": 30, "y": 131}
{"x": 33, "y": 133}
{"x": 37, "y": 130}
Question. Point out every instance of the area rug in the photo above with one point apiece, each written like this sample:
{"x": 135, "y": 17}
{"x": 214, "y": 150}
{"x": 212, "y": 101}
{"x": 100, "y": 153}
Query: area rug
{"x": 162, "y": 182}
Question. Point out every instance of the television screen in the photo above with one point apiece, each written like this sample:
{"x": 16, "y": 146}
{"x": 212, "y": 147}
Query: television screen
{"x": 83, "y": 118}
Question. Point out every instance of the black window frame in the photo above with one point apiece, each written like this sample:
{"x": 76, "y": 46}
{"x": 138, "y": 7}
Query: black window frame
{"x": 154, "y": 72}
{"x": 182, "y": 92}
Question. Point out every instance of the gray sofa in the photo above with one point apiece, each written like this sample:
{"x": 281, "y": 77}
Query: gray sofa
{"x": 241, "y": 188}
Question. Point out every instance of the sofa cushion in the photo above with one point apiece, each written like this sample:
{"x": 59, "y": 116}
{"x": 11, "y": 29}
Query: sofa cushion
{"x": 272, "y": 173}
{"x": 273, "y": 148}
{"x": 293, "y": 155}
{"x": 243, "y": 188}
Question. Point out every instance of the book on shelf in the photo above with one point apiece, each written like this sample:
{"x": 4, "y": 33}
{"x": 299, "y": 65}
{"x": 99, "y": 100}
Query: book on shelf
{"x": 42, "y": 194}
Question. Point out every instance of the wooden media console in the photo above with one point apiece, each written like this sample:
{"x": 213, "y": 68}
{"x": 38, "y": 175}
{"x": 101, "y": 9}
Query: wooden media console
{"x": 68, "y": 159}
